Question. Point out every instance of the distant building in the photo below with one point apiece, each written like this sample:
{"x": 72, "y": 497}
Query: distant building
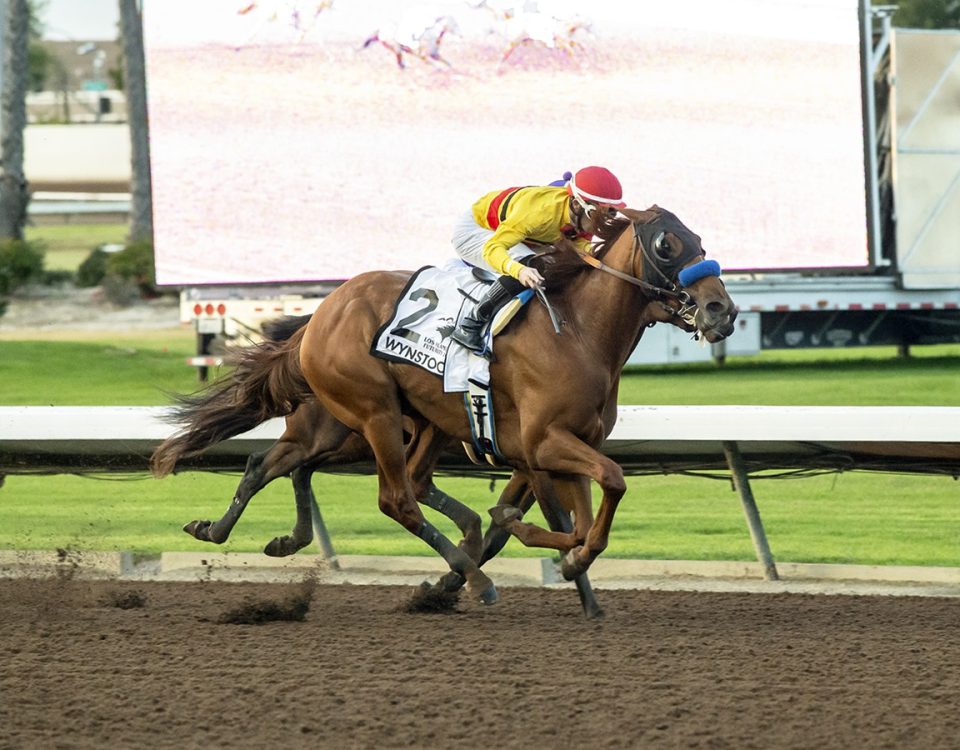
{"x": 81, "y": 84}
{"x": 83, "y": 66}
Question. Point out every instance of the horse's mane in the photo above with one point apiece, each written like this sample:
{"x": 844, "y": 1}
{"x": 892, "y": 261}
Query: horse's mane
{"x": 561, "y": 262}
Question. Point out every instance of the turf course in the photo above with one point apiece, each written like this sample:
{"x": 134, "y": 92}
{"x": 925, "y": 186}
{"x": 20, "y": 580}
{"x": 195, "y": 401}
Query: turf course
{"x": 66, "y": 246}
{"x": 848, "y": 518}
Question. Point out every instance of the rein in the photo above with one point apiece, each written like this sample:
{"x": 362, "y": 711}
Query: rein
{"x": 688, "y": 307}
{"x": 591, "y": 260}
{"x": 671, "y": 292}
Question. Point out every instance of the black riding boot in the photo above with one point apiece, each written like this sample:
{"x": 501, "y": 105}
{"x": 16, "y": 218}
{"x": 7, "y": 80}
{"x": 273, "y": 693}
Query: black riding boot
{"x": 470, "y": 331}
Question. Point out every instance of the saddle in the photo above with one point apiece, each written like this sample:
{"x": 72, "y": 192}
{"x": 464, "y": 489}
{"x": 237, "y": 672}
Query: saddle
{"x": 502, "y": 317}
{"x": 418, "y": 333}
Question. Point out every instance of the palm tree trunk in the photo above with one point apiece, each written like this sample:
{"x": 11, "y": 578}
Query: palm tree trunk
{"x": 141, "y": 209}
{"x": 13, "y": 184}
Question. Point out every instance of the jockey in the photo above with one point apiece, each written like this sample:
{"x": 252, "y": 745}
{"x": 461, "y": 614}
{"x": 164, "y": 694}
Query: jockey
{"x": 491, "y": 235}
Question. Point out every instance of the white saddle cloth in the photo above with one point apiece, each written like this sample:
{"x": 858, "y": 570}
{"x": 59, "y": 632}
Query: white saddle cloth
{"x": 419, "y": 331}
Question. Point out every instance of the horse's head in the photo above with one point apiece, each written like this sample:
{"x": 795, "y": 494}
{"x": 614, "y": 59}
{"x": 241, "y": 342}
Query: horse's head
{"x": 669, "y": 258}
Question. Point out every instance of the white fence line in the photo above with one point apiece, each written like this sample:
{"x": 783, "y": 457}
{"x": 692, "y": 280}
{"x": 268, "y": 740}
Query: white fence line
{"x": 665, "y": 438}
{"x": 646, "y": 439}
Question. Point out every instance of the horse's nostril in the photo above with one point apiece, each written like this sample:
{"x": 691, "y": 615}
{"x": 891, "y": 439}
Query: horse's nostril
{"x": 716, "y": 309}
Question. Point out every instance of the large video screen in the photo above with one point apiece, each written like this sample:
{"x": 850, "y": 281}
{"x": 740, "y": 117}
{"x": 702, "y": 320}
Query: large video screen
{"x": 308, "y": 141}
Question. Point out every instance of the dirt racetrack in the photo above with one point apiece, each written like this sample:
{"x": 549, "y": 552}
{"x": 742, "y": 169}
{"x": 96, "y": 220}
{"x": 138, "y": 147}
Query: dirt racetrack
{"x": 153, "y": 665}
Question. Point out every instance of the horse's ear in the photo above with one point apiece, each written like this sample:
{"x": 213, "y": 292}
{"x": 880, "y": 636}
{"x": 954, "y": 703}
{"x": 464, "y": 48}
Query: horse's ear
{"x": 639, "y": 217}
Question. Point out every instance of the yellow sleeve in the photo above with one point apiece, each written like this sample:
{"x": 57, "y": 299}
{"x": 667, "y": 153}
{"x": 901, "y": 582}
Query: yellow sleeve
{"x": 495, "y": 252}
{"x": 531, "y": 217}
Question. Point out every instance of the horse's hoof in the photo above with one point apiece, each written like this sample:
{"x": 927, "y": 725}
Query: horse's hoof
{"x": 504, "y": 514}
{"x": 483, "y": 589}
{"x": 451, "y": 582}
{"x": 571, "y": 565}
{"x": 594, "y": 613}
{"x": 282, "y": 546}
{"x": 198, "y": 530}
{"x": 489, "y": 595}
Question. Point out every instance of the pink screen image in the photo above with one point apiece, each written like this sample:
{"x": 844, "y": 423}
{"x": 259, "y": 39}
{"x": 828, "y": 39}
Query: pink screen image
{"x": 288, "y": 143}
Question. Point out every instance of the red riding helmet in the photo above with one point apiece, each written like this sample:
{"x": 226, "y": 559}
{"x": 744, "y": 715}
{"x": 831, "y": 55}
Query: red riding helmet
{"x": 596, "y": 185}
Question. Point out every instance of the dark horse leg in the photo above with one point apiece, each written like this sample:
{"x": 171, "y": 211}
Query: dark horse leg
{"x": 302, "y": 534}
{"x": 313, "y": 439}
{"x": 423, "y": 452}
{"x": 516, "y": 494}
{"x": 515, "y": 500}
{"x": 397, "y": 500}
{"x": 254, "y": 479}
{"x": 311, "y": 435}
{"x": 559, "y": 520}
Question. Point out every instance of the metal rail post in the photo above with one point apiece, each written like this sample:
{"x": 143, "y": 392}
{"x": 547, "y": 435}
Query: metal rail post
{"x": 742, "y": 483}
{"x": 323, "y": 536}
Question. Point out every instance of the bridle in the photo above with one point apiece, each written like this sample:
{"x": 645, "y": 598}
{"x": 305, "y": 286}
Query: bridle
{"x": 668, "y": 269}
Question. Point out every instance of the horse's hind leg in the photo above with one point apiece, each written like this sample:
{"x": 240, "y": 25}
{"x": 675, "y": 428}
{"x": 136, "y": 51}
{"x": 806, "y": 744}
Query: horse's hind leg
{"x": 332, "y": 444}
{"x": 309, "y": 433}
{"x": 302, "y": 534}
{"x": 252, "y": 482}
{"x": 397, "y": 500}
{"x": 517, "y": 494}
{"x": 465, "y": 517}
{"x": 423, "y": 452}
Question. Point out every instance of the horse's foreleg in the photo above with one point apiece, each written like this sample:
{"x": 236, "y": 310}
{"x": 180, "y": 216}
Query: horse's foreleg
{"x": 566, "y": 454}
{"x": 510, "y": 50}
{"x": 397, "y": 52}
{"x": 610, "y": 478}
{"x": 517, "y": 494}
{"x": 559, "y": 520}
{"x": 561, "y": 491}
{"x": 396, "y": 499}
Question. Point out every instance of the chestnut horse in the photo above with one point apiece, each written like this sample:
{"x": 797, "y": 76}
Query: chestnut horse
{"x": 313, "y": 439}
{"x": 551, "y": 394}
{"x": 555, "y": 396}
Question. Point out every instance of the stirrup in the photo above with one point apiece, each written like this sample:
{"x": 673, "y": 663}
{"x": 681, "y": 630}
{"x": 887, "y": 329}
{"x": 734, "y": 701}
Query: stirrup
{"x": 468, "y": 339}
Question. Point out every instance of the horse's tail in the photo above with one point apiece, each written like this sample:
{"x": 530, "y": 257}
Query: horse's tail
{"x": 267, "y": 382}
{"x": 281, "y": 329}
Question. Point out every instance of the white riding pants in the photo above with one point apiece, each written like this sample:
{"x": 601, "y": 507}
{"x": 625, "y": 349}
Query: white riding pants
{"x": 469, "y": 239}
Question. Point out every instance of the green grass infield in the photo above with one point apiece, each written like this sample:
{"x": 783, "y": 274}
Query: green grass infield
{"x": 856, "y": 517}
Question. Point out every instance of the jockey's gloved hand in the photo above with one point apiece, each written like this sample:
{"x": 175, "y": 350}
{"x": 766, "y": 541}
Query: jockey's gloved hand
{"x": 531, "y": 277}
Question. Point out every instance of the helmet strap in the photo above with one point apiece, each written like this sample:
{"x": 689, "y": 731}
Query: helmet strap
{"x": 586, "y": 208}
{"x": 580, "y": 210}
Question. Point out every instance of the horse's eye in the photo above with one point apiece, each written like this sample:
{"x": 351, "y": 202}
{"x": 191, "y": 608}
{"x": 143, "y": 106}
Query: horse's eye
{"x": 661, "y": 248}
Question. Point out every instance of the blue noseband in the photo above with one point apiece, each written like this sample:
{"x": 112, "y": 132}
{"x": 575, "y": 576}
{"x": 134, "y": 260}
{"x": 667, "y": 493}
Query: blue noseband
{"x": 697, "y": 271}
